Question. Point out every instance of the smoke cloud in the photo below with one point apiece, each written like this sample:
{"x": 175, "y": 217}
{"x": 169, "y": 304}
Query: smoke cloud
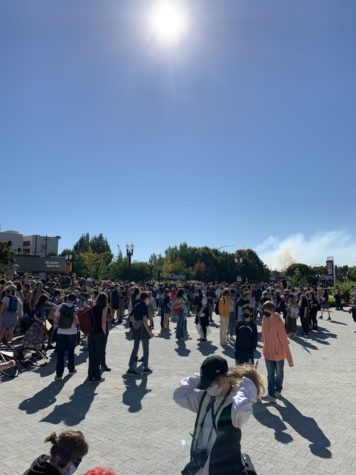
{"x": 280, "y": 253}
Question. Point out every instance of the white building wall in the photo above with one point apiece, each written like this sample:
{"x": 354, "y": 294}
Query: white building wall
{"x": 14, "y": 236}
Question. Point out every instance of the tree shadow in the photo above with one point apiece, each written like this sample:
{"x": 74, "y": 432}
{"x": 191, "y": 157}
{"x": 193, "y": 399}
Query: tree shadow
{"x": 266, "y": 418}
{"x": 206, "y": 348}
{"x": 134, "y": 393}
{"x": 71, "y": 413}
{"x": 182, "y": 349}
{"x": 44, "y": 398}
{"x": 307, "y": 428}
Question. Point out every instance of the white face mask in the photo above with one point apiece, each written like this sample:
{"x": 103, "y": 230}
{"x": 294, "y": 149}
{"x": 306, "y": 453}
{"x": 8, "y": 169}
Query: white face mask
{"x": 147, "y": 301}
{"x": 70, "y": 470}
{"x": 214, "y": 390}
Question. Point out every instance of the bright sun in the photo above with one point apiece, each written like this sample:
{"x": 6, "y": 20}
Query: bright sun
{"x": 168, "y": 21}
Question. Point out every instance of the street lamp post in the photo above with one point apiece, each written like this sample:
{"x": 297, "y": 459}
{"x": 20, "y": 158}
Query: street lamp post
{"x": 239, "y": 260}
{"x": 129, "y": 254}
{"x": 150, "y": 265}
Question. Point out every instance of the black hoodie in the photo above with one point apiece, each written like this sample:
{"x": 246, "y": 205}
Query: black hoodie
{"x": 40, "y": 466}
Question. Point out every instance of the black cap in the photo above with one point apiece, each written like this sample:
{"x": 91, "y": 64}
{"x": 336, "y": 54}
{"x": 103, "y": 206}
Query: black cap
{"x": 212, "y": 367}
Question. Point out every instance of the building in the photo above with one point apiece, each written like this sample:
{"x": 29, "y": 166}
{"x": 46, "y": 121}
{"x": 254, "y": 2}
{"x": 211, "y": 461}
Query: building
{"x": 34, "y": 245}
{"x": 42, "y": 246}
{"x": 16, "y": 240}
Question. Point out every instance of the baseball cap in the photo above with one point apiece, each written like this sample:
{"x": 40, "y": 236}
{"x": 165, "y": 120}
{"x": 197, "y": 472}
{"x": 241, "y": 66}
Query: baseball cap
{"x": 212, "y": 367}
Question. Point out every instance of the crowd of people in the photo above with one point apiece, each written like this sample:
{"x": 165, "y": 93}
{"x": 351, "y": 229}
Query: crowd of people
{"x": 53, "y": 315}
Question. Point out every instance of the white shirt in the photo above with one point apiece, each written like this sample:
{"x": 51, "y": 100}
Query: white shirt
{"x": 241, "y": 398}
{"x": 66, "y": 331}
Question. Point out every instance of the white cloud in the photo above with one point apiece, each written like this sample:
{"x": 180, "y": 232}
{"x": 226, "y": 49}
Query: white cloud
{"x": 280, "y": 253}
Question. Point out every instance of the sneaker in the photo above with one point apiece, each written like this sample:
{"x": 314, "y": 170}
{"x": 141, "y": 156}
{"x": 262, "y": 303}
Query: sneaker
{"x": 329, "y": 318}
{"x": 147, "y": 371}
{"x": 97, "y": 381}
{"x": 132, "y": 372}
{"x": 72, "y": 372}
{"x": 278, "y": 394}
{"x": 321, "y": 317}
{"x": 58, "y": 378}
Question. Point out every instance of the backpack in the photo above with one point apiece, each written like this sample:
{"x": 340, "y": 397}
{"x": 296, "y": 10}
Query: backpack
{"x": 66, "y": 317}
{"x": 86, "y": 320}
{"x": 12, "y": 307}
{"x": 216, "y": 309}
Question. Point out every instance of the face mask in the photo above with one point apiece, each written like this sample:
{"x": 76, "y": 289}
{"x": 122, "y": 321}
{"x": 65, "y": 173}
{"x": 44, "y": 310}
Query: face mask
{"x": 266, "y": 314}
{"x": 147, "y": 301}
{"x": 214, "y": 390}
{"x": 72, "y": 468}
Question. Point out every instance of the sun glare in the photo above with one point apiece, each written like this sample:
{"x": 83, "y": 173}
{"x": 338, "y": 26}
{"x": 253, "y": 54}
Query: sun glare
{"x": 168, "y": 21}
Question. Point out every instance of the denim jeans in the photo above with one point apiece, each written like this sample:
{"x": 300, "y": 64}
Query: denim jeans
{"x": 180, "y": 325}
{"x": 65, "y": 343}
{"x": 145, "y": 345}
{"x": 275, "y": 375}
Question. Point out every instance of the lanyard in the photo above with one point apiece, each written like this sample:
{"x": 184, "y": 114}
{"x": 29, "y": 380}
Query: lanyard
{"x": 210, "y": 407}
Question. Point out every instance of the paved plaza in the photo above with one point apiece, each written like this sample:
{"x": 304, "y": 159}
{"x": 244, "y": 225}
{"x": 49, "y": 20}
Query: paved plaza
{"x": 133, "y": 426}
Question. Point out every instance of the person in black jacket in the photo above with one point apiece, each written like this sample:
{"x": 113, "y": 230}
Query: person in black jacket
{"x": 66, "y": 453}
{"x": 246, "y": 337}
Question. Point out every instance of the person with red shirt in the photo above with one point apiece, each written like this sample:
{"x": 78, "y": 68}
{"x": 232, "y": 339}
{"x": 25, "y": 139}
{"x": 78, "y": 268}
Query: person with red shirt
{"x": 275, "y": 350}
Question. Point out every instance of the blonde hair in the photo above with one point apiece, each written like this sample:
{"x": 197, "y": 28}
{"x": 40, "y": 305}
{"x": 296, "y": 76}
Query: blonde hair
{"x": 236, "y": 373}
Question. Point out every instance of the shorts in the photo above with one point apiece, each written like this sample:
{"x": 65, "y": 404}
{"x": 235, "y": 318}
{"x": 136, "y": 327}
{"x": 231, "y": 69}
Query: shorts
{"x": 324, "y": 305}
{"x": 8, "y": 320}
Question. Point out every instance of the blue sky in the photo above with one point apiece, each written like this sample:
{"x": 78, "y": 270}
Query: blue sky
{"x": 242, "y": 131}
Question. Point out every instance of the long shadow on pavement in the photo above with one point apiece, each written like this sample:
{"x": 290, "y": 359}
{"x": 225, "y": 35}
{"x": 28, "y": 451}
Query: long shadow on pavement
{"x": 74, "y": 411}
{"x": 306, "y": 427}
{"x": 44, "y": 398}
{"x": 134, "y": 392}
{"x": 266, "y": 418}
{"x": 206, "y": 348}
{"x": 182, "y": 349}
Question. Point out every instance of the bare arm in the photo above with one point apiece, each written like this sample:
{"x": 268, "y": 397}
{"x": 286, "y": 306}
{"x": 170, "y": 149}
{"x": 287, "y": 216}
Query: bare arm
{"x": 103, "y": 319}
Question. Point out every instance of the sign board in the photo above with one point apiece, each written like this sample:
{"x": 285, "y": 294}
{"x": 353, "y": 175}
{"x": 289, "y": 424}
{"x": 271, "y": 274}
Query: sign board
{"x": 41, "y": 264}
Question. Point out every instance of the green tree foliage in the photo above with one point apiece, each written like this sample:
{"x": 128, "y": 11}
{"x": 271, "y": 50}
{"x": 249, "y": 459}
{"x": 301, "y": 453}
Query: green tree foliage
{"x": 302, "y": 275}
{"x": 7, "y": 256}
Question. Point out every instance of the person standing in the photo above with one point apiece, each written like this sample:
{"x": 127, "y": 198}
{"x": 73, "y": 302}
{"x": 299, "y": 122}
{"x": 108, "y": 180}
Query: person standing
{"x": 97, "y": 339}
{"x": 66, "y": 317}
{"x": 10, "y": 310}
{"x": 338, "y": 302}
{"x": 222, "y": 399}
{"x": 304, "y": 313}
{"x": 275, "y": 349}
{"x": 246, "y": 337}
{"x": 325, "y": 304}
{"x": 224, "y": 312}
{"x": 180, "y": 310}
{"x": 141, "y": 333}
{"x": 292, "y": 315}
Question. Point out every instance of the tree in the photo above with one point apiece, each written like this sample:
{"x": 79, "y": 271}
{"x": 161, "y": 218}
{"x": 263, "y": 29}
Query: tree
{"x": 83, "y": 244}
{"x": 301, "y": 275}
{"x": 7, "y": 255}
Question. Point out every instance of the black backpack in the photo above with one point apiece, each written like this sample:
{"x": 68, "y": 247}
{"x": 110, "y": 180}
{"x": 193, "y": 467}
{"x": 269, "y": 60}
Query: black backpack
{"x": 66, "y": 317}
{"x": 216, "y": 309}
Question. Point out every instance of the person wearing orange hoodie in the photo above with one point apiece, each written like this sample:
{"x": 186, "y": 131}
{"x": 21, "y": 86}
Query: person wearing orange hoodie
{"x": 275, "y": 350}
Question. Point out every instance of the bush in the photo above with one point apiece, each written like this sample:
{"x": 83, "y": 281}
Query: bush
{"x": 345, "y": 288}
